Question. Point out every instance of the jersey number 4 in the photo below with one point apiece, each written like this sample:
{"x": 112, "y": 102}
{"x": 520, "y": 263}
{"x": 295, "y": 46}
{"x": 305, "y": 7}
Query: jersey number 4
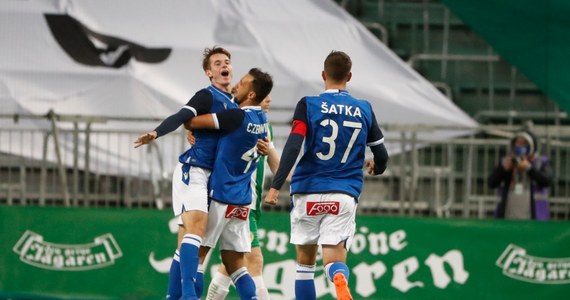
{"x": 334, "y": 134}
{"x": 250, "y": 156}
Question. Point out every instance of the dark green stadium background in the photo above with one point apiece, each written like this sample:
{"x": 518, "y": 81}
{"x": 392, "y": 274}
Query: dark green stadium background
{"x": 532, "y": 35}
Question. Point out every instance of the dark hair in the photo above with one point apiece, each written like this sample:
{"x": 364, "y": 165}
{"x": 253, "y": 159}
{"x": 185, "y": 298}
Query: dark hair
{"x": 208, "y": 52}
{"x": 337, "y": 65}
{"x": 262, "y": 84}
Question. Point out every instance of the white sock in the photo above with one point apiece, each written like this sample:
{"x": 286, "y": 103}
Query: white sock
{"x": 219, "y": 287}
{"x": 260, "y": 289}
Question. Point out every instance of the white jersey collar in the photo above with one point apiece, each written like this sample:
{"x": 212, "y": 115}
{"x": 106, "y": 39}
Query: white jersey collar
{"x": 256, "y": 107}
{"x": 335, "y": 91}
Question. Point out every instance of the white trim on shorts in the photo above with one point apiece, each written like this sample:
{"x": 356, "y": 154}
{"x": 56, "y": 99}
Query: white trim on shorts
{"x": 323, "y": 229}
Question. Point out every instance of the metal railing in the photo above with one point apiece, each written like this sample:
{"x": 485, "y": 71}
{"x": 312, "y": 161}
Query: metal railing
{"x": 379, "y": 28}
{"x": 427, "y": 177}
{"x": 67, "y": 160}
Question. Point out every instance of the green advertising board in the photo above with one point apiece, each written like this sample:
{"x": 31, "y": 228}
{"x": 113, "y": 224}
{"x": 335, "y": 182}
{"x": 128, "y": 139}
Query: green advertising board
{"x": 75, "y": 253}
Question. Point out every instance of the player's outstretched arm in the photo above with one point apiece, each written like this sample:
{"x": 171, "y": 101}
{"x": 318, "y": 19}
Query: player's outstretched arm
{"x": 199, "y": 104}
{"x": 146, "y": 138}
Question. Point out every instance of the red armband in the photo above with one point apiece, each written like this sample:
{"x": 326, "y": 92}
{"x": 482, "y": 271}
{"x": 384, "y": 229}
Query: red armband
{"x": 299, "y": 127}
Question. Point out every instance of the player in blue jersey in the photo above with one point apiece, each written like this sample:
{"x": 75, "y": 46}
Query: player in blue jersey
{"x": 190, "y": 178}
{"x": 230, "y": 190}
{"x": 220, "y": 284}
{"x": 327, "y": 181}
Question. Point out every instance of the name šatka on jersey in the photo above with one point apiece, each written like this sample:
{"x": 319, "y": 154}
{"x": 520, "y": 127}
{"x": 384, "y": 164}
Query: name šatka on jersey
{"x": 340, "y": 109}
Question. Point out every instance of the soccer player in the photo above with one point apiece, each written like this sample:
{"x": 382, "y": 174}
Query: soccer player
{"x": 219, "y": 286}
{"x": 190, "y": 177}
{"x": 230, "y": 183}
{"x": 327, "y": 181}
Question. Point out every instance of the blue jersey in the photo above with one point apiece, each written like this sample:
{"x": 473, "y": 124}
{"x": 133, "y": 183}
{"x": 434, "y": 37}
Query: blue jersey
{"x": 237, "y": 158}
{"x": 203, "y": 153}
{"x": 339, "y": 127}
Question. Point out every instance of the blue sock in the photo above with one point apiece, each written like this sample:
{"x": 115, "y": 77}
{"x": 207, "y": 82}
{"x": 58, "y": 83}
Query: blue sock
{"x": 174, "y": 279}
{"x": 199, "y": 284}
{"x": 244, "y": 284}
{"x": 189, "y": 264}
{"x": 336, "y": 267}
{"x": 305, "y": 282}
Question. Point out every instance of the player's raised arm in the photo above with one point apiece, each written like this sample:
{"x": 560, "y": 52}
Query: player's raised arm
{"x": 199, "y": 104}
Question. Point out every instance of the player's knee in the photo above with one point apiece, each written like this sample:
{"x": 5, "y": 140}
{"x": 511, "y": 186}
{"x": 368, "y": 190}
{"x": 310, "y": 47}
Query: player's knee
{"x": 195, "y": 222}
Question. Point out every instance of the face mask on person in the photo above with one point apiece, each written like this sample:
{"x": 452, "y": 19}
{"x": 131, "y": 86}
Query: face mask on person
{"x": 520, "y": 150}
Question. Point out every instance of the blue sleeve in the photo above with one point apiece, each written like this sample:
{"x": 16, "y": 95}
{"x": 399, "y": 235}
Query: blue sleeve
{"x": 374, "y": 133}
{"x": 199, "y": 104}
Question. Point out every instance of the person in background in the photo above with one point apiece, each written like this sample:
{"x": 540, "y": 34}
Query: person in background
{"x": 523, "y": 177}
{"x": 328, "y": 179}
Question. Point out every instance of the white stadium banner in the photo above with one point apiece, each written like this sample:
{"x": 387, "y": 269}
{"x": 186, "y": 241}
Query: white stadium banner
{"x": 142, "y": 58}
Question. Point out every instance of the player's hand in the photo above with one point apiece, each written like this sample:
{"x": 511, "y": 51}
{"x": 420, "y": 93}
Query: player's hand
{"x": 146, "y": 138}
{"x": 190, "y": 138}
{"x": 263, "y": 146}
{"x": 370, "y": 167}
{"x": 272, "y": 196}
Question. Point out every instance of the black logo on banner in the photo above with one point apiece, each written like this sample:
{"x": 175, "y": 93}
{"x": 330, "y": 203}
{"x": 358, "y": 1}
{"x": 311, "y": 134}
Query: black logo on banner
{"x": 91, "y": 48}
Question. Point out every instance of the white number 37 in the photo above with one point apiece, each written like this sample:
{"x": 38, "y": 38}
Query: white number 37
{"x": 331, "y": 139}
